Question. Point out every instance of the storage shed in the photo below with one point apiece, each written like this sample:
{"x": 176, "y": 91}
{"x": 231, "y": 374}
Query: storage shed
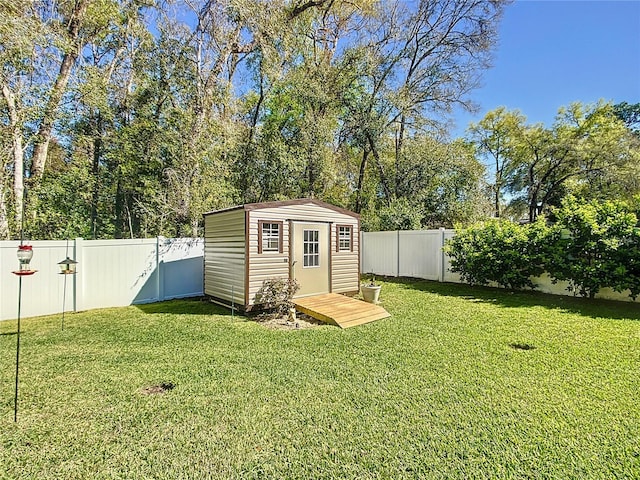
{"x": 312, "y": 241}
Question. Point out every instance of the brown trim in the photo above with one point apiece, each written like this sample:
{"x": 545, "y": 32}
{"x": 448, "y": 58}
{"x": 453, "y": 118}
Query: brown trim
{"x": 246, "y": 257}
{"x": 291, "y": 277}
{"x": 280, "y": 234}
{"x": 350, "y": 227}
{"x": 350, "y": 293}
{"x": 300, "y": 201}
{"x": 330, "y": 255}
{"x": 359, "y": 249}
{"x": 284, "y": 203}
{"x": 222, "y": 210}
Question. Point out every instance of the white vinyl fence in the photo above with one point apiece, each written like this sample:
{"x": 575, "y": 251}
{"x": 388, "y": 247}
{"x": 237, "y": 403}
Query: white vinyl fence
{"x": 111, "y": 273}
{"x": 418, "y": 254}
{"x": 411, "y": 253}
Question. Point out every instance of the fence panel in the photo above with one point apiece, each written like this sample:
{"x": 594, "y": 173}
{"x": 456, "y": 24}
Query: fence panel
{"x": 181, "y": 267}
{"x": 110, "y": 273}
{"x": 419, "y": 253}
{"x": 117, "y": 272}
{"x": 379, "y": 253}
{"x": 42, "y": 291}
{"x": 411, "y": 253}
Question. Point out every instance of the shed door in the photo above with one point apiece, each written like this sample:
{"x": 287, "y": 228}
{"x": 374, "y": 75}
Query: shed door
{"x": 310, "y": 259}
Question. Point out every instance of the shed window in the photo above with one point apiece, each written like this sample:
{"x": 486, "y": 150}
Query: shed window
{"x": 270, "y": 237}
{"x": 345, "y": 238}
{"x": 311, "y": 248}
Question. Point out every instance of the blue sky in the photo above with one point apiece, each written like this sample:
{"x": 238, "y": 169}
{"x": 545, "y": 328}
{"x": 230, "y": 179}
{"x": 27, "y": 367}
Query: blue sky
{"x": 552, "y": 53}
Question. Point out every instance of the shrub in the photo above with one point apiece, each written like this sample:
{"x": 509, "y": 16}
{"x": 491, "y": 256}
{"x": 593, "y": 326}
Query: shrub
{"x": 498, "y": 251}
{"x": 590, "y": 245}
{"x": 594, "y": 245}
{"x": 276, "y": 295}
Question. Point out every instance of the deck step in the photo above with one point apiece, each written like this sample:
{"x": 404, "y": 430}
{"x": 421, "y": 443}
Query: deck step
{"x": 340, "y": 310}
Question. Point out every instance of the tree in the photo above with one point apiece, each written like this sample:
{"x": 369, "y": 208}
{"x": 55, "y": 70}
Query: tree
{"x": 496, "y": 138}
{"x": 43, "y": 42}
{"x": 587, "y": 151}
{"x": 629, "y": 113}
{"x": 153, "y": 112}
{"x": 442, "y": 181}
{"x": 418, "y": 62}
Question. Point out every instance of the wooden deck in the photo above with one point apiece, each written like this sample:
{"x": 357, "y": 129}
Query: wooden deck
{"x": 340, "y": 310}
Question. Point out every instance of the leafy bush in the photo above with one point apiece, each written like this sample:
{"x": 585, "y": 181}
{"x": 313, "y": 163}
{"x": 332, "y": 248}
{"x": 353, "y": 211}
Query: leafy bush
{"x": 594, "y": 245}
{"x": 590, "y": 245}
{"x": 276, "y": 294}
{"x": 498, "y": 251}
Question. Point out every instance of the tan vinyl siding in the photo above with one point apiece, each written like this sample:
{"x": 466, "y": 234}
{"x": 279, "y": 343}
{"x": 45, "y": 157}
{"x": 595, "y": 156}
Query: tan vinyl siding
{"x": 224, "y": 255}
{"x": 344, "y": 266}
{"x": 344, "y": 271}
{"x": 263, "y": 266}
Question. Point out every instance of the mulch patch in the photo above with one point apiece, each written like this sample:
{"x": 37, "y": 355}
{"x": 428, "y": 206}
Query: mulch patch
{"x": 282, "y": 323}
{"x": 158, "y": 389}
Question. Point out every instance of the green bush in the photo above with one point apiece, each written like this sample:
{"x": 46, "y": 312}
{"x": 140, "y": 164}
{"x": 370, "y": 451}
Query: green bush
{"x": 594, "y": 245}
{"x": 498, "y": 251}
{"x": 590, "y": 245}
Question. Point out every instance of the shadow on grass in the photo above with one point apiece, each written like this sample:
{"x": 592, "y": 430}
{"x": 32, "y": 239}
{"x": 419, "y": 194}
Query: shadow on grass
{"x": 186, "y": 306}
{"x": 512, "y": 299}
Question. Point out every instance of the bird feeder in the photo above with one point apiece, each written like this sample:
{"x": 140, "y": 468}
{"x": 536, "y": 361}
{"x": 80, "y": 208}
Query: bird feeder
{"x": 67, "y": 266}
{"x": 25, "y": 254}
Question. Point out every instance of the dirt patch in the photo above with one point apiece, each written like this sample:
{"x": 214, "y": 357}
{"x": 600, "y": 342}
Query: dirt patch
{"x": 522, "y": 346}
{"x": 158, "y": 389}
{"x": 282, "y": 323}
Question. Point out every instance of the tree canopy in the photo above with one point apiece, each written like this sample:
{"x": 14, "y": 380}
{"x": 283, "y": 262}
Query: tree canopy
{"x": 127, "y": 118}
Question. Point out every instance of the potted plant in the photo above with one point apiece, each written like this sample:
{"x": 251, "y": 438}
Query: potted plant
{"x": 371, "y": 291}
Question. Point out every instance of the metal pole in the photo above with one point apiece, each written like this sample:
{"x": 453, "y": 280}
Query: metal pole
{"x": 64, "y": 288}
{"x": 64, "y": 297}
{"x": 15, "y": 400}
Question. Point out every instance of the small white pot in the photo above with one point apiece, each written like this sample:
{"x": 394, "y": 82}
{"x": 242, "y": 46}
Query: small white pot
{"x": 370, "y": 294}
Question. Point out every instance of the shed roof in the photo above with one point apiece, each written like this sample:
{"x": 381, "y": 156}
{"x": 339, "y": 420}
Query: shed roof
{"x": 285, "y": 203}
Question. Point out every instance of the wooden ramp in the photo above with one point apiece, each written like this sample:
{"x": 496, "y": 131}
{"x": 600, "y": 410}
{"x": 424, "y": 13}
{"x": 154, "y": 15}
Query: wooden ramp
{"x": 340, "y": 310}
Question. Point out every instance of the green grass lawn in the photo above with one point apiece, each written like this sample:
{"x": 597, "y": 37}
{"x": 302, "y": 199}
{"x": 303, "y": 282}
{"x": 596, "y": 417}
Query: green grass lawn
{"x": 436, "y": 391}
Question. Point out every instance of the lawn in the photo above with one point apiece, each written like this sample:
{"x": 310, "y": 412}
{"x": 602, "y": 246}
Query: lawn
{"x": 460, "y": 382}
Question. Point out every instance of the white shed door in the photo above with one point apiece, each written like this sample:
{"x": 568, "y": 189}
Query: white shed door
{"x": 311, "y": 258}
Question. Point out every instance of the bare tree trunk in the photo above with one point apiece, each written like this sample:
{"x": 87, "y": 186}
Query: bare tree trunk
{"x": 399, "y": 145}
{"x": 41, "y": 145}
{"x": 95, "y": 172}
{"x": 363, "y": 167}
{"x": 194, "y": 227}
{"x": 4, "y": 221}
{"x": 17, "y": 153}
{"x": 383, "y": 177}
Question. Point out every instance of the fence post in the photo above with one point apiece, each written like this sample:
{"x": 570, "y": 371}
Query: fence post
{"x": 397, "y": 253}
{"x": 78, "y": 283}
{"x": 360, "y": 256}
{"x": 440, "y": 254}
{"x": 159, "y": 276}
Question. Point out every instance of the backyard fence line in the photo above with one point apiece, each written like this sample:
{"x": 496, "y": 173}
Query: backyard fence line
{"x": 111, "y": 273}
{"x": 407, "y": 253}
{"x": 114, "y": 273}
{"x": 420, "y": 254}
